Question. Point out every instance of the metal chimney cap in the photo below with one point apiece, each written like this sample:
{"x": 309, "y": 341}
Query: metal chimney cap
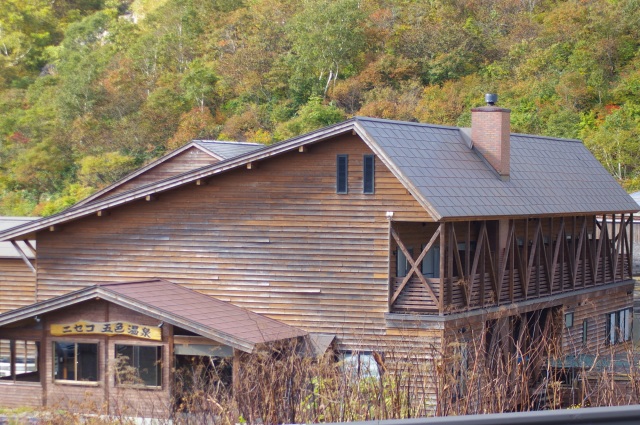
{"x": 491, "y": 98}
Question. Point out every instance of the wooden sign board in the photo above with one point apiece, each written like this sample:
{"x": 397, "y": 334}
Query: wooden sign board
{"x": 82, "y": 327}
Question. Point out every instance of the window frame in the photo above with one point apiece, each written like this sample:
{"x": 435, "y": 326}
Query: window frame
{"x": 368, "y": 179}
{"x": 342, "y": 161}
{"x": 159, "y": 365}
{"x": 76, "y": 381}
{"x": 13, "y": 375}
{"x": 619, "y": 326}
{"x": 569, "y": 319}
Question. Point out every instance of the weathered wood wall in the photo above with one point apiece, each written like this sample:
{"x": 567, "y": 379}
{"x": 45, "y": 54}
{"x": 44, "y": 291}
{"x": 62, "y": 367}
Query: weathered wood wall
{"x": 188, "y": 160}
{"x": 275, "y": 239}
{"x": 17, "y": 284}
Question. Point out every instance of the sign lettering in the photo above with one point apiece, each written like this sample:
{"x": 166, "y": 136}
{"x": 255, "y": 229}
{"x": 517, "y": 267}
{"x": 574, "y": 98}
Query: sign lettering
{"x": 108, "y": 329}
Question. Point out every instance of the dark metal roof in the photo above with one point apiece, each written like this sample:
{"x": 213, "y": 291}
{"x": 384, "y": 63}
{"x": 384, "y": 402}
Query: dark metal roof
{"x": 548, "y": 175}
{"x": 207, "y": 316}
{"x": 226, "y": 149}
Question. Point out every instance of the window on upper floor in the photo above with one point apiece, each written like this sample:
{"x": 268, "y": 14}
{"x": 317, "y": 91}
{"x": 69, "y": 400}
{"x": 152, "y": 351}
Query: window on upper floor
{"x": 619, "y": 326}
{"x": 75, "y": 361}
{"x": 402, "y": 263}
{"x": 368, "y": 174}
{"x": 342, "y": 174}
{"x": 431, "y": 262}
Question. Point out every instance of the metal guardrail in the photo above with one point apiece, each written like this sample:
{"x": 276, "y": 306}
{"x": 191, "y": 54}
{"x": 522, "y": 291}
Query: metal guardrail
{"x": 617, "y": 415}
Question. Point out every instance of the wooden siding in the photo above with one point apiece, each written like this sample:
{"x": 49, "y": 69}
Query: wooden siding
{"x": 593, "y": 309}
{"x": 188, "y": 160}
{"x": 17, "y": 284}
{"x": 275, "y": 239}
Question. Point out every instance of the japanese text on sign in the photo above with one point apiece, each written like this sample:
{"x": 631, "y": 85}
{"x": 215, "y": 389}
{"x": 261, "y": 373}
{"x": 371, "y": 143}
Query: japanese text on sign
{"x": 107, "y": 328}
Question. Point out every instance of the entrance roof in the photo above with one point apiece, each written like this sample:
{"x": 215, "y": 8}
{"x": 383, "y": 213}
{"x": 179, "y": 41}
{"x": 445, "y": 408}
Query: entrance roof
{"x": 172, "y": 303}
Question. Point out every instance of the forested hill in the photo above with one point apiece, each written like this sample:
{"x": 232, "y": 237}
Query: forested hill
{"x": 91, "y": 89}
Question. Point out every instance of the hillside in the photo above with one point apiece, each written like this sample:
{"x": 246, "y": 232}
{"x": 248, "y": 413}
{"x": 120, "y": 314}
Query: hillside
{"x": 90, "y": 90}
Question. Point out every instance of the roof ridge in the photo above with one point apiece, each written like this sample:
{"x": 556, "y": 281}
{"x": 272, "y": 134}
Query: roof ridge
{"x": 560, "y": 139}
{"x": 234, "y": 142}
{"x": 101, "y": 285}
{"x": 410, "y": 123}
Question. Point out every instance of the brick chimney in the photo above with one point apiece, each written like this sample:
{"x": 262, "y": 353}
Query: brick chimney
{"x": 490, "y": 134}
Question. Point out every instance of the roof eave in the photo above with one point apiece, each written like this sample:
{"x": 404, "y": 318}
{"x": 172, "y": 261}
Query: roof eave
{"x": 97, "y": 292}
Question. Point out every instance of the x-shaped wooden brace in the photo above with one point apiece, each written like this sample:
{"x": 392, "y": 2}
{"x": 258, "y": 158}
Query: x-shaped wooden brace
{"x": 414, "y": 266}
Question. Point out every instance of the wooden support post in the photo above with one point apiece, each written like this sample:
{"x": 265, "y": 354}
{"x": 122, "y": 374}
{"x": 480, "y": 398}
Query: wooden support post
{"x": 235, "y": 373}
{"x": 443, "y": 246}
{"x": 483, "y": 262}
{"x": 604, "y": 234}
{"x": 630, "y": 248}
{"x": 584, "y": 243}
{"x": 446, "y": 298}
{"x": 467, "y": 250}
{"x": 513, "y": 247}
{"x": 525, "y": 246}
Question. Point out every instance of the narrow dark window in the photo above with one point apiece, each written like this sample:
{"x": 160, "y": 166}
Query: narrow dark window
{"x": 585, "y": 331}
{"x": 368, "y": 174}
{"x": 342, "y": 173}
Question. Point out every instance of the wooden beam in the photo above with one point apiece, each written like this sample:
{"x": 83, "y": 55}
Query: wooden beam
{"x": 103, "y": 213}
{"x": 492, "y": 271}
{"x": 54, "y": 228}
{"x": 532, "y": 254}
{"x": 503, "y": 264}
{"x": 599, "y": 254}
{"x": 443, "y": 247}
{"x": 31, "y": 247}
{"x": 414, "y": 265}
{"x": 251, "y": 165}
{"x": 23, "y": 256}
{"x": 303, "y": 149}
{"x": 150, "y": 198}
{"x": 512, "y": 257}
{"x": 476, "y": 260}
{"x": 545, "y": 258}
{"x": 554, "y": 262}
{"x": 630, "y": 247}
{"x": 578, "y": 253}
{"x": 201, "y": 182}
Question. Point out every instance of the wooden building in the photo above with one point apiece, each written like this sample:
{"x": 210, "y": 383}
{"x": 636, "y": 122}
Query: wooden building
{"x": 385, "y": 235}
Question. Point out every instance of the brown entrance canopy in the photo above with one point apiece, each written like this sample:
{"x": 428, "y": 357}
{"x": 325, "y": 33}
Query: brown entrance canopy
{"x": 174, "y": 304}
